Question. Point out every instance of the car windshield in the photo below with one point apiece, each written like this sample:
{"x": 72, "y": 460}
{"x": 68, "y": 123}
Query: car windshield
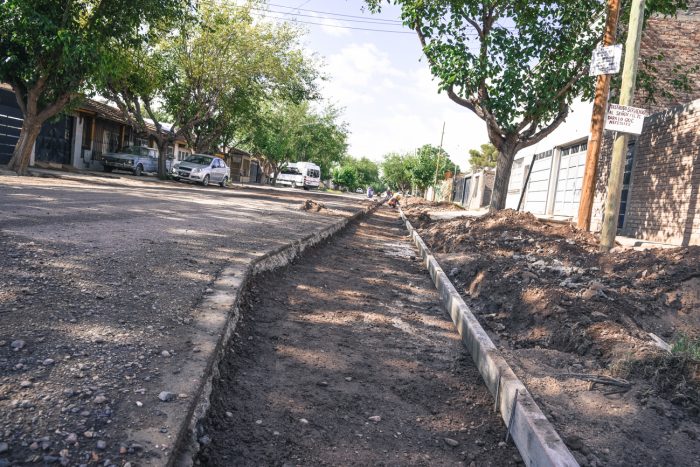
{"x": 199, "y": 159}
{"x": 291, "y": 171}
{"x": 136, "y": 150}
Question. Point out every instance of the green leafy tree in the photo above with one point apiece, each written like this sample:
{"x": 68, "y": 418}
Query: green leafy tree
{"x": 367, "y": 171}
{"x": 323, "y": 139}
{"x": 486, "y": 157}
{"x": 288, "y": 132}
{"x": 52, "y": 52}
{"x": 429, "y": 165}
{"x": 517, "y": 65}
{"x": 356, "y": 173}
{"x": 396, "y": 171}
{"x": 347, "y": 176}
{"x": 212, "y": 75}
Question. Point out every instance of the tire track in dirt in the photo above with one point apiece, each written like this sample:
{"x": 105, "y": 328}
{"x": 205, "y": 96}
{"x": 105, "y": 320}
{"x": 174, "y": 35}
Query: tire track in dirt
{"x": 346, "y": 358}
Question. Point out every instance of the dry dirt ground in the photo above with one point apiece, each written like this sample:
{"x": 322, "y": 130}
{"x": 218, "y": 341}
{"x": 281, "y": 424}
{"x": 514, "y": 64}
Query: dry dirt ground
{"x": 98, "y": 282}
{"x": 565, "y": 315}
{"x": 346, "y": 358}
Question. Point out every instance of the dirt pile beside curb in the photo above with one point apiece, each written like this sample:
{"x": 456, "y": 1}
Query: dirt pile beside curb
{"x": 313, "y": 206}
{"x": 414, "y": 202}
{"x": 565, "y": 313}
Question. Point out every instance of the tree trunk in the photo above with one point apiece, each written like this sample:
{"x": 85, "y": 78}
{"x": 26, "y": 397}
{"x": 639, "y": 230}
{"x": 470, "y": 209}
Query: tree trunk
{"x": 162, "y": 157}
{"x": 500, "y": 184}
{"x": 31, "y": 126}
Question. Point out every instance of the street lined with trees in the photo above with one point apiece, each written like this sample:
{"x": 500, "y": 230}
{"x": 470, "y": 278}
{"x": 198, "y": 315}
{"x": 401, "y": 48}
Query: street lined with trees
{"x": 211, "y": 75}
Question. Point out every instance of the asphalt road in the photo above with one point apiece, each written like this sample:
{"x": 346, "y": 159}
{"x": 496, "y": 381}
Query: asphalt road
{"x": 98, "y": 282}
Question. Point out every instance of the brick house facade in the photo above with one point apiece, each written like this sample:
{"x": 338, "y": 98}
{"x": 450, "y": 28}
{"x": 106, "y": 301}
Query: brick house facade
{"x": 662, "y": 174}
{"x": 670, "y": 52}
{"x": 662, "y": 178}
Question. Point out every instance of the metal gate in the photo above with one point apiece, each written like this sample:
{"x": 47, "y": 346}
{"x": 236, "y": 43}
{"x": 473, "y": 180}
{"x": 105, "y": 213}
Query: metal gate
{"x": 54, "y": 141}
{"x": 570, "y": 179}
{"x": 10, "y": 125}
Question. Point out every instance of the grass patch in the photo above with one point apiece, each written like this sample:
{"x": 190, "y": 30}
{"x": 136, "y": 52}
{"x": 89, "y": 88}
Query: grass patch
{"x": 687, "y": 347}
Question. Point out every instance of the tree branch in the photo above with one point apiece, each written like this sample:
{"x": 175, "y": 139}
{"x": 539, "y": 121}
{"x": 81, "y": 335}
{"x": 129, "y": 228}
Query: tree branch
{"x": 20, "y": 92}
{"x": 546, "y": 131}
{"x": 57, "y": 106}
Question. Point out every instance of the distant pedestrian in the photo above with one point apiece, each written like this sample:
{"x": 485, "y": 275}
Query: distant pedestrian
{"x": 370, "y": 192}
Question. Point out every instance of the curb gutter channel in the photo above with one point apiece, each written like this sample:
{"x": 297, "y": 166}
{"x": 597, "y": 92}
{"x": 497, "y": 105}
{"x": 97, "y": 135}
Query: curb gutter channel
{"x": 218, "y": 315}
{"x": 537, "y": 441}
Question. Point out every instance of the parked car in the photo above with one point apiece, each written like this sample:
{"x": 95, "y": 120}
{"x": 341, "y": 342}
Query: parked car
{"x": 305, "y": 175}
{"x": 204, "y": 169}
{"x": 135, "y": 159}
{"x": 359, "y": 190}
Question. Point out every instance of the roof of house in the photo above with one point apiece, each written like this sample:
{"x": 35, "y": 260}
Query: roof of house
{"x": 238, "y": 152}
{"x": 108, "y": 112}
{"x": 103, "y": 110}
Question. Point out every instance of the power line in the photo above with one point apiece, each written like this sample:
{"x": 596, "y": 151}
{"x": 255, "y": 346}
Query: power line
{"x": 335, "y": 14}
{"x": 333, "y": 25}
{"x": 367, "y": 21}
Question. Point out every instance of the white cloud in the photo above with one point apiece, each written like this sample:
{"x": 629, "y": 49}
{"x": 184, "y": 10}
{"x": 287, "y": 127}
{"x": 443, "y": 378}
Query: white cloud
{"x": 394, "y": 110}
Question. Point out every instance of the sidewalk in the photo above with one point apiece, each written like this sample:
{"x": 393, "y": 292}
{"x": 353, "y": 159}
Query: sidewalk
{"x": 115, "y": 304}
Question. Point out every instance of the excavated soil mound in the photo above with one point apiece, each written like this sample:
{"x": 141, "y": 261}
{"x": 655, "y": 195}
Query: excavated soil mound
{"x": 412, "y": 202}
{"x": 570, "y": 318}
{"x": 313, "y": 206}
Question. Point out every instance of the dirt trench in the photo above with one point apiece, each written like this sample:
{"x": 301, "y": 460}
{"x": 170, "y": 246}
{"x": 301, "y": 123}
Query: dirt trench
{"x": 346, "y": 358}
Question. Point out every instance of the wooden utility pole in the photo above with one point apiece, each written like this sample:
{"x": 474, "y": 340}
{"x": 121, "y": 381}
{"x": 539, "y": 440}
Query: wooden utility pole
{"x": 437, "y": 164}
{"x": 600, "y": 104}
{"x": 617, "y": 165}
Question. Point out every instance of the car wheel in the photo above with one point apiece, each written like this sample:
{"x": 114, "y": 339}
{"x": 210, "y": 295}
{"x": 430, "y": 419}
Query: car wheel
{"x": 306, "y": 188}
{"x": 224, "y": 182}
{"x": 108, "y": 168}
{"x": 139, "y": 170}
{"x": 205, "y": 180}
{"x": 294, "y": 184}
{"x": 177, "y": 179}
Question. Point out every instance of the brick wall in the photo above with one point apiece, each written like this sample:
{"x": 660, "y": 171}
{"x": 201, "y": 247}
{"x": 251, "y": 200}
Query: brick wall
{"x": 670, "y": 49}
{"x": 663, "y": 203}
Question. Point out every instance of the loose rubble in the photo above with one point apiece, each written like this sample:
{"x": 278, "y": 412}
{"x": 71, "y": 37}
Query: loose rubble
{"x": 566, "y": 315}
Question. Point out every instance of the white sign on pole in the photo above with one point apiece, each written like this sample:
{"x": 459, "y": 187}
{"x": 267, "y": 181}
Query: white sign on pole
{"x": 625, "y": 119}
{"x": 606, "y": 60}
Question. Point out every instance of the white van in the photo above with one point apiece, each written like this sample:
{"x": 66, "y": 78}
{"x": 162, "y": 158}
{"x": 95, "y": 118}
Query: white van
{"x": 300, "y": 174}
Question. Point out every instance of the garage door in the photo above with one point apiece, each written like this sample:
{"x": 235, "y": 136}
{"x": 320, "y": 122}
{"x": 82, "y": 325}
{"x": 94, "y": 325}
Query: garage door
{"x": 515, "y": 184}
{"x": 538, "y": 186}
{"x": 570, "y": 179}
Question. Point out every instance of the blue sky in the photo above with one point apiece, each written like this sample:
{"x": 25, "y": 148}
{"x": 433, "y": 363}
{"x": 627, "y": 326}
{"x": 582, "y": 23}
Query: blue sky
{"x": 381, "y": 80}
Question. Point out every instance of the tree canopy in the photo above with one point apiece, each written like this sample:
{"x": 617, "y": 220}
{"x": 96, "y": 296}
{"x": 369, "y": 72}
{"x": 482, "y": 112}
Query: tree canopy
{"x": 517, "y": 65}
{"x": 354, "y": 173}
{"x": 396, "y": 171}
{"x": 211, "y": 76}
{"x": 485, "y": 157}
{"x": 53, "y": 51}
{"x": 420, "y": 169}
{"x": 288, "y": 132}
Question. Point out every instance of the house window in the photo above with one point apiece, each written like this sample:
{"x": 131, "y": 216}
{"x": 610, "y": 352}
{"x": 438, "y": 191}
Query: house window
{"x": 245, "y": 169}
{"x": 169, "y": 151}
{"x": 110, "y": 141}
{"x": 181, "y": 154}
{"x": 140, "y": 142}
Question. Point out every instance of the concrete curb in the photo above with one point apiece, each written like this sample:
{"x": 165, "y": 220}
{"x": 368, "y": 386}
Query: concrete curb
{"x": 217, "y": 318}
{"x": 536, "y": 439}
